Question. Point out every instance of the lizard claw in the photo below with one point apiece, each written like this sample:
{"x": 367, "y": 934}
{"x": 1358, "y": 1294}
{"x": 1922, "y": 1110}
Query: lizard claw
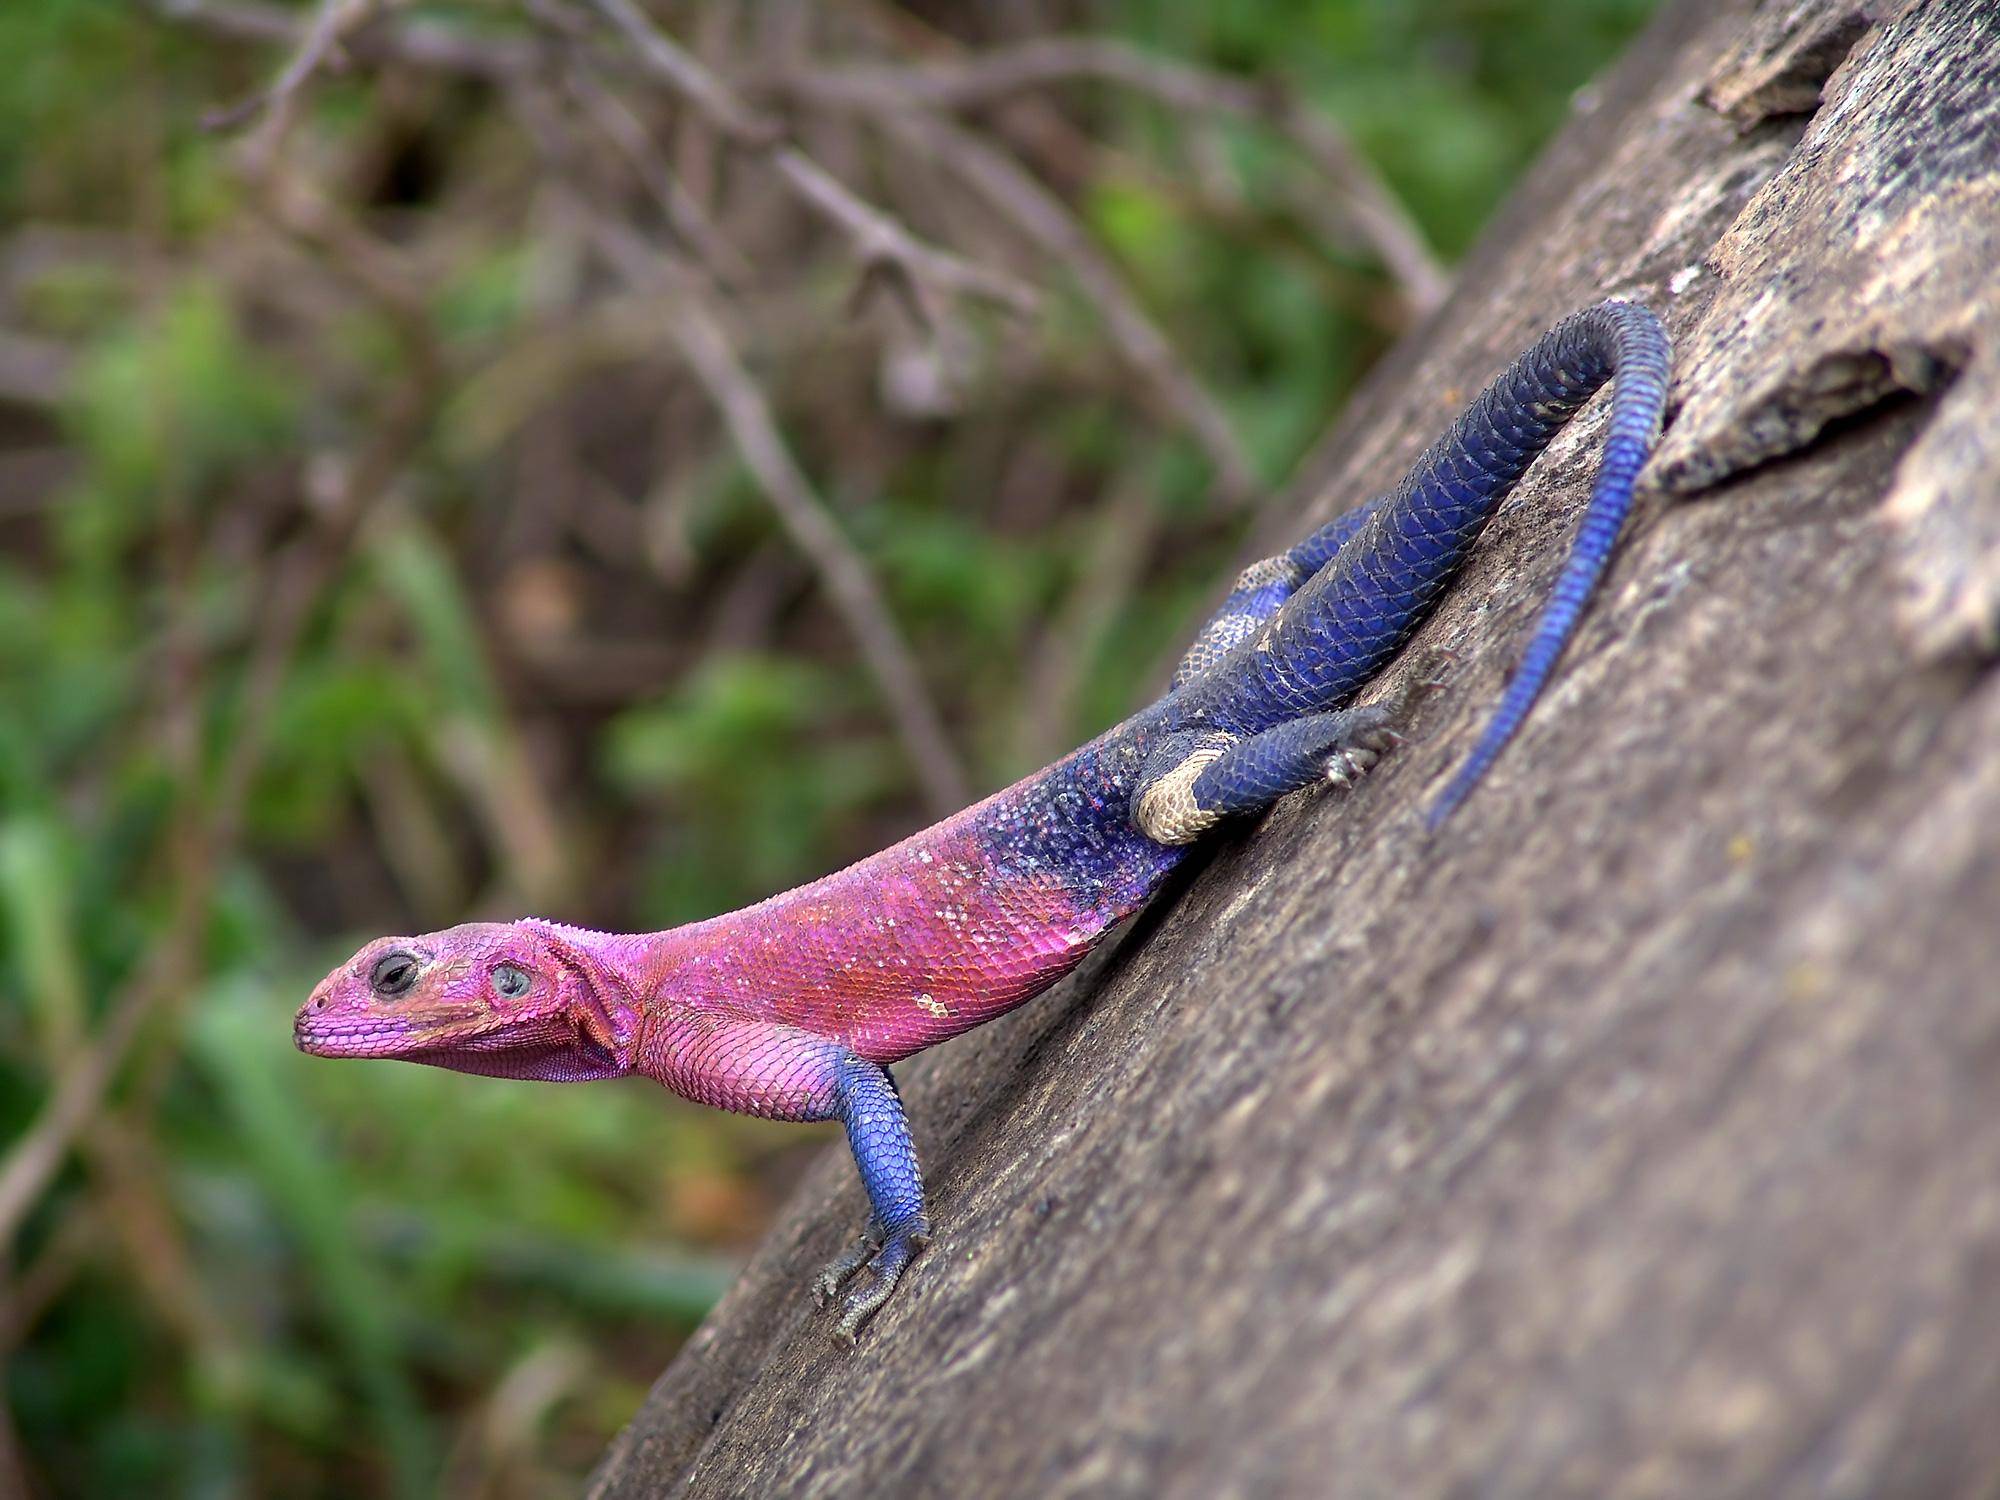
{"x": 1365, "y": 747}
{"x": 1375, "y": 737}
{"x": 1433, "y": 673}
{"x": 1345, "y": 767}
{"x": 884, "y": 1271}
{"x": 834, "y": 1274}
{"x": 826, "y": 1286}
{"x": 1430, "y": 675}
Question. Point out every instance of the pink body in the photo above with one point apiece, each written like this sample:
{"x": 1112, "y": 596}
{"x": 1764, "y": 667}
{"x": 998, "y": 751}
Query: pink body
{"x": 750, "y": 1010}
{"x": 910, "y": 946}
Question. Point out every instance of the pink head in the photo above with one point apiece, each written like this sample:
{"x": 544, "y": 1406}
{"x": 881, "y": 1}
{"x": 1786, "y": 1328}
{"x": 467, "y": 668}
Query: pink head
{"x": 507, "y": 999}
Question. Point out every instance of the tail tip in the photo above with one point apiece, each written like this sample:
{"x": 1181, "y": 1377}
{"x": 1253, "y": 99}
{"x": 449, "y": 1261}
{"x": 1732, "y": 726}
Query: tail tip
{"x": 1451, "y": 798}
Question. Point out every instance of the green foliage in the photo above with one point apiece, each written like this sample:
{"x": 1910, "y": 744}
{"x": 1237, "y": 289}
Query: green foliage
{"x": 312, "y": 1204}
{"x": 1448, "y": 99}
{"x": 567, "y": 660}
{"x": 751, "y": 780}
{"x": 485, "y": 297}
{"x": 37, "y": 892}
{"x": 166, "y": 406}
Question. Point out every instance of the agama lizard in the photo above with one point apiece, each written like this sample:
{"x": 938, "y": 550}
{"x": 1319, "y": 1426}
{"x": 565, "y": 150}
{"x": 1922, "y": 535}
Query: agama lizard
{"x": 795, "y": 1008}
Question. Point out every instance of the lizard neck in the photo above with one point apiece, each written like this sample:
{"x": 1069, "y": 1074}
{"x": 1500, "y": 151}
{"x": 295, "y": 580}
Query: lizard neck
{"x": 633, "y": 963}
{"x": 621, "y": 971}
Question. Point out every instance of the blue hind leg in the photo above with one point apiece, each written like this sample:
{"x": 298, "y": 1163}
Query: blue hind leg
{"x": 1261, "y": 590}
{"x": 878, "y": 1132}
{"x": 1195, "y": 778}
{"x": 1341, "y": 625}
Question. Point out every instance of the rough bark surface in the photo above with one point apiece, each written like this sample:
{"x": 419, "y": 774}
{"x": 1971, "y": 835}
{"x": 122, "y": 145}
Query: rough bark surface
{"x": 1637, "y": 1135}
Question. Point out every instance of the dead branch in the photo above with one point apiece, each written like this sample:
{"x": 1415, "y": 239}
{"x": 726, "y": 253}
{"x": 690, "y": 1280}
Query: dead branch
{"x": 416, "y": 42}
{"x": 1123, "y": 531}
{"x": 675, "y": 66}
{"x": 697, "y": 328}
{"x": 33, "y": 371}
{"x": 1011, "y": 189}
{"x": 904, "y": 101}
{"x": 878, "y": 238}
{"x": 684, "y": 215}
{"x": 995, "y": 76}
{"x": 275, "y": 107}
{"x": 706, "y": 345}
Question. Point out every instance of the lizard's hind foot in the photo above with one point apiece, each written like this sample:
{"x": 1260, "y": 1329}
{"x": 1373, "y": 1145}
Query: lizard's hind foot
{"x": 1346, "y": 766}
{"x": 879, "y": 1133}
{"x": 1372, "y": 738}
{"x": 1196, "y": 778}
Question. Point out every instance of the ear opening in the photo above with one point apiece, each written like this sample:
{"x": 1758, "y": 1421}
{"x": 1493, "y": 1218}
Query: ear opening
{"x": 586, "y": 1003}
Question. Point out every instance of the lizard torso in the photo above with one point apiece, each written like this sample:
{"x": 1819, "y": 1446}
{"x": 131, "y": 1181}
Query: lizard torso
{"x": 936, "y": 934}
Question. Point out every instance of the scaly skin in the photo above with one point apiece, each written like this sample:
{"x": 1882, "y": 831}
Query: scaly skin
{"x": 793, "y": 1008}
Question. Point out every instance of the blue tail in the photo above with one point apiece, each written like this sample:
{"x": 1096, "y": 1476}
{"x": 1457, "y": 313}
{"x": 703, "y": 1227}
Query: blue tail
{"x": 1640, "y": 360}
{"x": 1390, "y": 565}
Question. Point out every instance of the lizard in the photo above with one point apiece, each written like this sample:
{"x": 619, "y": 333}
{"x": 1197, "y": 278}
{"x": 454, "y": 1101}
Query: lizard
{"x": 796, "y": 1008}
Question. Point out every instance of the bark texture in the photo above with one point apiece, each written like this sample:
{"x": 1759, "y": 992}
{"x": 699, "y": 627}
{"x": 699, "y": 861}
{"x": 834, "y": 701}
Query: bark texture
{"x": 1638, "y": 1135}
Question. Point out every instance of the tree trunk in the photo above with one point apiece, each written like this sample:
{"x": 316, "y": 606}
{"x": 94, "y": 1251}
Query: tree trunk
{"x": 1636, "y": 1135}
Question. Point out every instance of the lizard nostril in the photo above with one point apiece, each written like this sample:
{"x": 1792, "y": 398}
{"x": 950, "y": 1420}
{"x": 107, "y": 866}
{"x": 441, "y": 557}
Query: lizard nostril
{"x": 319, "y": 1002}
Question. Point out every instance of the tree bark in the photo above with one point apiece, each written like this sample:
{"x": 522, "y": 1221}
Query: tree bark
{"x": 1636, "y": 1135}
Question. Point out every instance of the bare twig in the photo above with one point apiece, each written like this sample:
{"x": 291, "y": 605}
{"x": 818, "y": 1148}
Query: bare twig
{"x": 1011, "y": 189}
{"x": 32, "y": 1161}
{"x": 419, "y": 43}
{"x": 705, "y": 344}
{"x": 13, "y": 1469}
{"x": 678, "y": 68}
{"x": 878, "y": 238}
{"x": 132, "y": 1192}
{"x": 33, "y": 371}
{"x": 968, "y": 83}
{"x": 1004, "y": 72}
{"x": 697, "y": 329}
{"x": 1124, "y": 527}
{"x": 686, "y": 217}
{"x": 319, "y": 47}
{"x": 34, "y": 1286}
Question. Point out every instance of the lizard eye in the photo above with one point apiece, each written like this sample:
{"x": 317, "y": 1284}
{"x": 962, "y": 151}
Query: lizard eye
{"x": 512, "y": 983}
{"x": 393, "y": 975}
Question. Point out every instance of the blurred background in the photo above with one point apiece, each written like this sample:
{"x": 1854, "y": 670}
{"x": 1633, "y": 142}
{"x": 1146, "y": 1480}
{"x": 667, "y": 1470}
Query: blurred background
{"x": 610, "y": 460}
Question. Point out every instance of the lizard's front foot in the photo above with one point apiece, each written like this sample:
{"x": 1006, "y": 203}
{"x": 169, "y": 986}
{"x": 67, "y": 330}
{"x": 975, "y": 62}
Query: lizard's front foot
{"x": 1432, "y": 674}
{"x": 833, "y": 1275}
{"x": 886, "y": 1254}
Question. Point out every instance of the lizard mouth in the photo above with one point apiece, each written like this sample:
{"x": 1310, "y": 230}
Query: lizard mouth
{"x": 503, "y": 1051}
{"x": 321, "y": 1038}
{"x": 334, "y": 1035}
{"x": 549, "y": 1061}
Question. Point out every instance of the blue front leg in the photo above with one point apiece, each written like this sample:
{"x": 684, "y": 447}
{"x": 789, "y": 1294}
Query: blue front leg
{"x": 878, "y": 1132}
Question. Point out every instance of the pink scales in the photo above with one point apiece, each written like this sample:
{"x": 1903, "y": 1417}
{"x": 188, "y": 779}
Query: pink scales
{"x": 915, "y": 944}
